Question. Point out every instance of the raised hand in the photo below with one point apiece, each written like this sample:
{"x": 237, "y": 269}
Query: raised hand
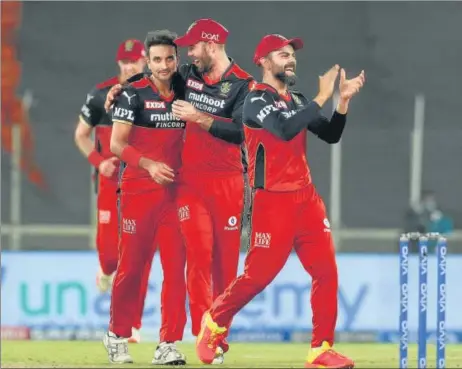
{"x": 350, "y": 87}
{"x": 327, "y": 85}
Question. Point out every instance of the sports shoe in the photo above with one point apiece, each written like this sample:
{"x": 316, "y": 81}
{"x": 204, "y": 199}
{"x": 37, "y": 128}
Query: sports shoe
{"x": 326, "y": 357}
{"x": 117, "y": 349}
{"x": 167, "y": 354}
{"x": 219, "y": 357}
{"x": 103, "y": 281}
{"x": 209, "y": 339}
{"x": 136, "y": 336}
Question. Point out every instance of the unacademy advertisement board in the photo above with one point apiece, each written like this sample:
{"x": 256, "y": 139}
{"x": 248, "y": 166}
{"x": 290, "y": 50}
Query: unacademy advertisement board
{"x": 54, "y": 293}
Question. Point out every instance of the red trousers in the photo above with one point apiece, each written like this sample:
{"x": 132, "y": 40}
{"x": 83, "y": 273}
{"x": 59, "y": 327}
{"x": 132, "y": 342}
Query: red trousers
{"x": 107, "y": 233}
{"x": 279, "y": 223}
{"x": 210, "y": 211}
{"x": 148, "y": 219}
{"x": 107, "y": 238}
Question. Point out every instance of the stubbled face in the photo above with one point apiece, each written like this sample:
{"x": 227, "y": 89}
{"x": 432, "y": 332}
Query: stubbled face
{"x": 282, "y": 64}
{"x": 162, "y": 61}
{"x": 201, "y": 56}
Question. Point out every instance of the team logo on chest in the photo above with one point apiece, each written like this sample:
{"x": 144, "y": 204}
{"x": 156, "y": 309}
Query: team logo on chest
{"x": 225, "y": 88}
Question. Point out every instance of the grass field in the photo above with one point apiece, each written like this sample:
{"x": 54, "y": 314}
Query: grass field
{"x": 73, "y": 354}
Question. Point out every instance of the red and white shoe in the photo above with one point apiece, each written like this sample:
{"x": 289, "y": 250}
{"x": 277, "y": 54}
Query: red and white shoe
{"x": 209, "y": 339}
{"x": 136, "y": 336}
{"x": 326, "y": 357}
{"x": 103, "y": 281}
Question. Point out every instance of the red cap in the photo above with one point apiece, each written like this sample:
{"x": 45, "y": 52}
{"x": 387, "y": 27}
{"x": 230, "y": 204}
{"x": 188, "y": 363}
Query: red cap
{"x": 204, "y": 29}
{"x": 132, "y": 50}
{"x": 274, "y": 42}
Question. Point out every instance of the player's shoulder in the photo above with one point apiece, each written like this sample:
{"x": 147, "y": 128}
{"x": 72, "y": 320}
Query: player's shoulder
{"x": 236, "y": 73}
{"x": 129, "y": 94}
{"x": 260, "y": 89}
{"x": 107, "y": 84}
{"x": 140, "y": 84}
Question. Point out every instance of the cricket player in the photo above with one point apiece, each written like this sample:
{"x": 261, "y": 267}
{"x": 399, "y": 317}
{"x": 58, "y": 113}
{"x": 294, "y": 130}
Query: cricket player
{"x": 148, "y": 138}
{"x": 287, "y": 212}
{"x": 93, "y": 117}
{"x": 211, "y": 190}
{"x": 211, "y": 181}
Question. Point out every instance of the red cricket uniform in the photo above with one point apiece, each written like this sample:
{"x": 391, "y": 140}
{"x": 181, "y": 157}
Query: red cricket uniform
{"x": 287, "y": 212}
{"x": 148, "y": 211}
{"x": 107, "y": 234}
{"x": 211, "y": 191}
{"x": 93, "y": 113}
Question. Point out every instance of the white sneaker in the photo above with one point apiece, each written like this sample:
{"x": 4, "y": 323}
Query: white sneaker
{"x": 168, "y": 354}
{"x": 103, "y": 281}
{"x": 117, "y": 349}
{"x": 136, "y": 336}
{"x": 219, "y": 357}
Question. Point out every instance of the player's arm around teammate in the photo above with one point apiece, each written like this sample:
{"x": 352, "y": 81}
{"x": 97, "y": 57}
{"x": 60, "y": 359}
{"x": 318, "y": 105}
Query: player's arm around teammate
{"x": 211, "y": 191}
{"x": 148, "y": 139}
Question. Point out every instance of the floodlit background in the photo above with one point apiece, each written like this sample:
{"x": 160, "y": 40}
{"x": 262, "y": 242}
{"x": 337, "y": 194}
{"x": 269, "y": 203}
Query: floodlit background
{"x": 403, "y": 138}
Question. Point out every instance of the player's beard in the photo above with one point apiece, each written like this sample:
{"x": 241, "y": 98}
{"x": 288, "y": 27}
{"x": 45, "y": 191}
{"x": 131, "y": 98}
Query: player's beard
{"x": 282, "y": 75}
{"x": 205, "y": 62}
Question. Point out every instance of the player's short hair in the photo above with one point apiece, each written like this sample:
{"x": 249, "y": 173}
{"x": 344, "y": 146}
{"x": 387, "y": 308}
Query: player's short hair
{"x": 160, "y": 37}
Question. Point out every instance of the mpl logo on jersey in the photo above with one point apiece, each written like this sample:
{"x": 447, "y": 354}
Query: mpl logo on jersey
{"x": 154, "y": 105}
{"x": 264, "y": 112}
{"x": 195, "y": 85}
{"x": 85, "y": 111}
{"x": 124, "y": 114}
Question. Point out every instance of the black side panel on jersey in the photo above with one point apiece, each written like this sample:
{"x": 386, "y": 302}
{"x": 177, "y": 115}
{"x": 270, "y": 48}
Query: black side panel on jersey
{"x": 184, "y": 70}
{"x": 260, "y": 161}
{"x": 96, "y": 172}
{"x": 136, "y": 77}
{"x": 179, "y": 86}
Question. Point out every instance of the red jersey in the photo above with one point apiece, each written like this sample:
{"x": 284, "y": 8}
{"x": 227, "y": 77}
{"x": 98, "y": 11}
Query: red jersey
{"x": 155, "y": 133}
{"x": 220, "y": 149}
